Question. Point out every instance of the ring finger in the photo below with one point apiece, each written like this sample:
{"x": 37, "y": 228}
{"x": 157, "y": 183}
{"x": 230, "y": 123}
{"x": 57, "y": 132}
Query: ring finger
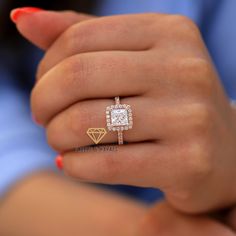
{"x": 68, "y": 129}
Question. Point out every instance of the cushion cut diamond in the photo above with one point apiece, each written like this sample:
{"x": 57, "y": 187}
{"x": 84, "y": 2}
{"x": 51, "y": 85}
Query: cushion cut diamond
{"x": 119, "y": 117}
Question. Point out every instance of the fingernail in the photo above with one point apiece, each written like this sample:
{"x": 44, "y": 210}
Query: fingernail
{"x": 59, "y": 162}
{"x": 16, "y": 13}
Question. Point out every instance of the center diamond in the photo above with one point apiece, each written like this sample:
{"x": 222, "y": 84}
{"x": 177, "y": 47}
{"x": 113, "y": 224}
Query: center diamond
{"x": 119, "y": 117}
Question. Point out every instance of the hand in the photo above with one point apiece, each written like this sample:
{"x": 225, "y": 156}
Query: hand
{"x": 46, "y": 204}
{"x": 183, "y": 139}
{"x": 162, "y": 220}
{"x": 59, "y": 207}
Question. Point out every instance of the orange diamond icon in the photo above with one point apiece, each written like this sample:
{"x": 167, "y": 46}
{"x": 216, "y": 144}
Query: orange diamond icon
{"x": 96, "y": 134}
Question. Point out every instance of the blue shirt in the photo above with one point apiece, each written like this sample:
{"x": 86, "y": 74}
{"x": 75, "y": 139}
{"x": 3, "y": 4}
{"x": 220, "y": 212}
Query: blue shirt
{"x": 23, "y": 147}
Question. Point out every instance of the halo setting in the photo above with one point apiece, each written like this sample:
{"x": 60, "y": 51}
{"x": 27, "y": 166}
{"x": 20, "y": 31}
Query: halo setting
{"x": 119, "y": 118}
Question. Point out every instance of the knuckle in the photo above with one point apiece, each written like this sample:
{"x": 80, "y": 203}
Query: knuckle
{"x": 201, "y": 119}
{"x": 76, "y": 38}
{"x": 203, "y": 72}
{"x": 198, "y": 161}
{"x": 199, "y": 74}
{"x": 69, "y": 40}
{"x": 106, "y": 25}
{"x": 197, "y": 153}
{"x": 196, "y": 168}
{"x": 184, "y": 24}
{"x": 77, "y": 69}
{"x": 80, "y": 37}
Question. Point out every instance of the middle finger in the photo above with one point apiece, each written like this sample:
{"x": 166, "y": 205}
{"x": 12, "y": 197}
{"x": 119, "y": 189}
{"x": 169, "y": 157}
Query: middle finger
{"x": 89, "y": 76}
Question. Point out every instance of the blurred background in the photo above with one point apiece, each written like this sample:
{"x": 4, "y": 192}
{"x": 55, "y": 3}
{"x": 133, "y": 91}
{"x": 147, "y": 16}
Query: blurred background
{"x": 14, "y": 47}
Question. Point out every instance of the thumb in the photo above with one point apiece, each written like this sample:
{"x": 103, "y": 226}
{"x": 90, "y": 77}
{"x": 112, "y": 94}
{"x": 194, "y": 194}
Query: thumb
{"x": 42, "y": 27}
{"x": 162, "y": 219}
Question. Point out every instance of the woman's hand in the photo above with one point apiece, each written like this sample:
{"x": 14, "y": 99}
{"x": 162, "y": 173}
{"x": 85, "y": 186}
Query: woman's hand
{"x": 46, "y": 204}
{"x": 163, "y": 220}
{"x": 183, "y": 138}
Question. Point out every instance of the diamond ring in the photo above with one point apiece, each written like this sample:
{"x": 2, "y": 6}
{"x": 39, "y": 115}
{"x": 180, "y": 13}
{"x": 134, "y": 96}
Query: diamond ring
{"x": 119, "y": 118}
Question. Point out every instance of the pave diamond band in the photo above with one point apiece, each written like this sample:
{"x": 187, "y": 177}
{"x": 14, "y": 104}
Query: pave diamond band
{"x": 119, "y": 118}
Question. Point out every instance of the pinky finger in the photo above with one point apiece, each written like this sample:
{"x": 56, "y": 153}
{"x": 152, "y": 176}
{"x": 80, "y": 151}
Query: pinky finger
{"x": 132, "y": 164}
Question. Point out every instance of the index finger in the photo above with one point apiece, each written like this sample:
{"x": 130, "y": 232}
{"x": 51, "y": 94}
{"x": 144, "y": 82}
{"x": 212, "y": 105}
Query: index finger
{"x": 43, "y": 27}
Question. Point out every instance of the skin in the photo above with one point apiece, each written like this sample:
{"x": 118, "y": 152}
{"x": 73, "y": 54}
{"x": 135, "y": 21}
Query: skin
{"x": 46, "y": 204}
{"x": 231, "y": 219}
{"x": 56, "y": 206}
{"x": 173, "y": 223}
{"x": 183, "y": 121}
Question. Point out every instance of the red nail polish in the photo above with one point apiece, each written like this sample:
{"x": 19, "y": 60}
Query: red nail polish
{"x": 16, "y": 13}
{"x": 59, "y": 162}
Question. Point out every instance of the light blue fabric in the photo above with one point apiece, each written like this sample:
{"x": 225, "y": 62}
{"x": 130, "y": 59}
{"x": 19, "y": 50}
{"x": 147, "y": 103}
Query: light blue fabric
{"x": 23, "y": 147}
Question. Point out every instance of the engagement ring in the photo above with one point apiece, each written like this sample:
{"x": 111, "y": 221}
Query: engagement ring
{"x": 119, "y": 118}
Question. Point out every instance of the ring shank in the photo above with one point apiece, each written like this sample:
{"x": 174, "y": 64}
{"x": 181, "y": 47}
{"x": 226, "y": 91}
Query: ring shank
{"x": 117, "y": 100}
{"x": 120, "y": 137}
{"x": 120, "y": 132}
